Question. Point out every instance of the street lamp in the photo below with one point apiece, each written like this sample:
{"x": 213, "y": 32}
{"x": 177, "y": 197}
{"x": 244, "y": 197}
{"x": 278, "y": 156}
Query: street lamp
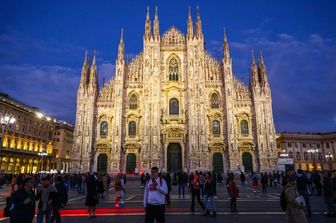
{"x": 42, "y": 154}
{"x": 313, "y": 151}
{"x": 329, "y": 157}
{"x": 5, "y": 120}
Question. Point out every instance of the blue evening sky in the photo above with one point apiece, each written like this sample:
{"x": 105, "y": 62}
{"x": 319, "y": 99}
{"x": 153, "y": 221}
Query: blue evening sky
{"x": 42, "y": 45}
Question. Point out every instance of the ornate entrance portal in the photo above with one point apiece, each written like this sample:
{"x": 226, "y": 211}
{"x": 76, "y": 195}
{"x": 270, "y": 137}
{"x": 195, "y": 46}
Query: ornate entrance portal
{"x": 174, "y": 157}
{"x": 102, "y": 163}
{"x": 218, "y": 163}
{"x": 247, "y": 162}
{"x": 130, "y": 163}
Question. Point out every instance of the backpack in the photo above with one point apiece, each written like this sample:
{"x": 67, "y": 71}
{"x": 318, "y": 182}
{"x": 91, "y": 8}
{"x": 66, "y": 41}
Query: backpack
{"x": 283, "y": 199}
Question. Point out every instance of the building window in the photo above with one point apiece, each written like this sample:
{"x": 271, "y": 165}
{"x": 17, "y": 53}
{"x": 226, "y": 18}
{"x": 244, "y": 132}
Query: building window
{"x": 173, "y": 70}
{"x": 244, "y": 127}
{"x": 305, "y": 155}
{"x": 214, "y": 101}
{"x": 132, "y": 128}
{"x": 290, "y": 154}
{"x": 173, "y": 106}
{"x": 296, "y": 144}
{"x": 311, "y": 145}
{"x": 298, "y": 155}
{"x": 103, "y": 129}
{"x": 327, "y": 145}
{"x": 318, "y": 145}
{"x": 289, "y": 144}
{"x": 304, "y": 145}
{"x": 216, "y": 128}
{"x": 320, "y": 157}
{"x": 133, "y": 102}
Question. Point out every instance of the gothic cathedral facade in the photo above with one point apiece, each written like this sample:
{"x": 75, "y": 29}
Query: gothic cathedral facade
{"x": 176, "y": 107}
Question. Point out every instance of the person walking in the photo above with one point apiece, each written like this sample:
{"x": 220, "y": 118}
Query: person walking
{"x": 23, "y": 202}
{"x": 181, "y": 180}
{"x": 101, "y": 188}
{"x": 60, "y": 200}
{"x": 328, "y": 194}
{"x": 119, "y": 188}
{"x": 242, "y": 179}
{"x": 301, "y": 182}
{"x": 91, "y": 196}
{"x": 294, "y": 210}
{"x": 233, "y": 193}
{"x": 154, "y": 197}
{"x": 209, "y": 193}
{"x": 46, "y": 194}
{"x": 195, "y": 192}
{"x": 263, "y": 181}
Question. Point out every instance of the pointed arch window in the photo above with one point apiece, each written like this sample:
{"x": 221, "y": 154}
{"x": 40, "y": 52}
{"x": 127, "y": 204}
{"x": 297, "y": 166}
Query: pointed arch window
{"x": 173, "y": 106}
{"x": 132, "y": 129}
{"x": 103, "y": 129}
{"x": 173, "y": 70}
{"x": 244, "y": 127}
{"x": 214, "y": 100}
{"x": 216, "y": 128}
{"x": 133, "y": 102}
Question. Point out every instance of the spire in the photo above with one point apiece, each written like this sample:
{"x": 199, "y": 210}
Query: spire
{"x": 121, "y": 48}
{"x": 156, "y": 29}
{"x": 226, "y": 50}
{"x": 199, "y": 33}
{"x": 190, "y": 25}
{"x": 94, "y": 63}
{"x": 262, "y": 71}
{"x": 254, "y": 79}
{"x": 85, "y": 69}
{"x": 148, "y": 26}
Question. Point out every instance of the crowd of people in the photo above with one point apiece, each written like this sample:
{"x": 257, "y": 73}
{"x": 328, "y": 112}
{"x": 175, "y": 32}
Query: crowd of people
{"x": 50, "y": 192}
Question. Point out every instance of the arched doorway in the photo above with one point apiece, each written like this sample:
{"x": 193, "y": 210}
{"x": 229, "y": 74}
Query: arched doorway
{"x": 130, "y": 163}
{"x": 174, "y": 157}
{"x": 217, "y": 163}
{"x": 102, "y": 163}
{"x": 247, "y": 162}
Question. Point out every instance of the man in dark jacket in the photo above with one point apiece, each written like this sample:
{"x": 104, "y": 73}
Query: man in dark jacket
{"x": 328, "y": 194}
{"x": 23, "y": 203}
{"x": 46, "y": 194}
{"x": 60, "y": 200}
{"x": 301, "y": 184}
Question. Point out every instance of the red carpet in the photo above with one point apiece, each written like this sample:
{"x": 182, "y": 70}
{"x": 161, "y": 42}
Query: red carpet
{"x": 112, "y": 211}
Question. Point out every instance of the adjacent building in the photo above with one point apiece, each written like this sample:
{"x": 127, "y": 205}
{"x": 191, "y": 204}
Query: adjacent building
{"x": 62, "y": 146}
{"x": 26, "y": 145}
{"x": 309, "y": 151}
{"x": 176, "y": 107}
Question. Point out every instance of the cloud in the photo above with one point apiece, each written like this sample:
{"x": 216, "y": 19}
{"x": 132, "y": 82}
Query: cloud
{"x": 303, "y": 80}
{"x": 302, "y": 74}
{"x": 51, "y": 88}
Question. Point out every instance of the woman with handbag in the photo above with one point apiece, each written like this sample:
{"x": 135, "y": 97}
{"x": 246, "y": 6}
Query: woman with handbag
{"x": 294, "y": 209}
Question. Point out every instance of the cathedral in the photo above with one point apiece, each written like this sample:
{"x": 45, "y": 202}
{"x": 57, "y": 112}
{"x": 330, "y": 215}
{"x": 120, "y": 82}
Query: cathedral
{"x": 176, "y": 107}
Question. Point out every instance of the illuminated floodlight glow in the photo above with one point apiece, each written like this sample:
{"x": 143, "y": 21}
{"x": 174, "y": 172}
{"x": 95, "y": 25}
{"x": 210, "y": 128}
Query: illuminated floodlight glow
{"x": 39, "y": 114}
{"x": 48, "y": 118}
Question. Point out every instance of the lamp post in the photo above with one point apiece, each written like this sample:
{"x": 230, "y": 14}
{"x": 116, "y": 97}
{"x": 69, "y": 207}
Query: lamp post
{"x": 5, "y": 120}
{"x": 329, "y": 158}
{"x": 313, "y": 151}
{"x": 42, "y": 154}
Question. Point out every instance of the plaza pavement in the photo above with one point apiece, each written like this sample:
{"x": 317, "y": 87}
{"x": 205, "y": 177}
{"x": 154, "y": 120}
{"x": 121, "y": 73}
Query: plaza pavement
{"x": 252, "y": 207}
